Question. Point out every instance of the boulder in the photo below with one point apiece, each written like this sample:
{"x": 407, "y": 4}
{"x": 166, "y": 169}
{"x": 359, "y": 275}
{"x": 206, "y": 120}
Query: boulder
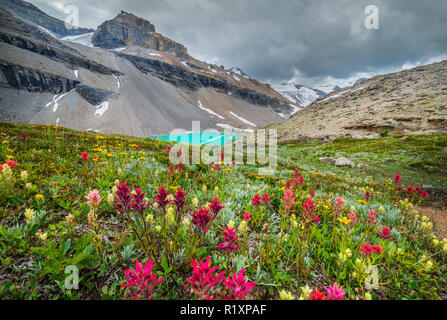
{"x": 344, "y": 162}
{"x": 327, "y": 160}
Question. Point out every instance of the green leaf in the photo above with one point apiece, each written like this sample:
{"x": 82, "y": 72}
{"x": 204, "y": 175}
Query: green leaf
{"x": 164, "y": 264}
{"x": 67, "y": 246}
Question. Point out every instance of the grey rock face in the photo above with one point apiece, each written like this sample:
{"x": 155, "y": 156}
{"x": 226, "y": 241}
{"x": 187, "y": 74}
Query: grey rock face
{"x": 32, "y": 80}
{"x": 127, "y": 29}
{"x": 344, "y": 162}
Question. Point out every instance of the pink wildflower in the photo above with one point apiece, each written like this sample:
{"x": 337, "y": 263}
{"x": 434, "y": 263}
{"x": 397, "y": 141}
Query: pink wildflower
{"x": 288, "y": 200}
{"x": 203, "y": 277}
{"x": 338, "y": 206}
{"x": 93, "y": 199}
{"x": 312, "y": 193}
{"x": 141, "y": 280}
{"x": 372, "y": 216}
{"x": 238, "y": 286}
{"x": 334, "y": 292}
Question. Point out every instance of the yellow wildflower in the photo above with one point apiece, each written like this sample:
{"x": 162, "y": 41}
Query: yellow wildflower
{"x": 285, "y": 295}
{"x": 39, "y": 196}
{"x": 29, "y": 215}
{"x": 344, "y": 220}
{"x": 231, "y": 224}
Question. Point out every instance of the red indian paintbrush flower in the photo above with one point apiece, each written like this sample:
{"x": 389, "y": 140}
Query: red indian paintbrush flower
{"x": 397, "y": 179}
{"x": 139, "y": 203}
{"x": 84, "y": 156}
{"x": 203, "y": 277}
{"x": 367, "y": 249}
{"x": 247, "y": 216}
{"x": 179, "y": 199}
{"x": 367, "y": 195}
{"x": 141, "y": 280}
{"x": 256, "y": 200}
{"x": 238, "y": 286}
{"x": 308, "y": 211}
{"x": 266, "y": 198}
{"x": 215, "y": 206}
{"x": 162, "y": 197}
{"x": 385, "y": 234}
{"x": 201, "y": 218}
{"x": 12, "y": 163}
{"x": 312, "y": 193}
{"x": 424, "y": 194}
{"x": 317, "y": 295}
{"x": 229, "y": 241}
{"x": 123, "y": 198}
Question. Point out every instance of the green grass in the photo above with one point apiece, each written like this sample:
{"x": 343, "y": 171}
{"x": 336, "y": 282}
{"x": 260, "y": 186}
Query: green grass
{"x": 416, "y": 157}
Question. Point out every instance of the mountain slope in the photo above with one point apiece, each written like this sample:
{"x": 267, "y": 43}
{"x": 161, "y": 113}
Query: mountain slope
{"x": 29, "y": 12}
{"x": 411, "y": 101}
{"x": 145, "y": 88}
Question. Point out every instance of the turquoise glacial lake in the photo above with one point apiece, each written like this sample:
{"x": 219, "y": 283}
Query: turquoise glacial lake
{"x": 199, "y": 138}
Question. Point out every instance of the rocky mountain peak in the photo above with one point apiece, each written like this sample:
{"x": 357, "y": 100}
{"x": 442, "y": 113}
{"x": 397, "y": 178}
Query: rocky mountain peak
{"x": 126, "y": 29}
{"x": 133, "y": 20}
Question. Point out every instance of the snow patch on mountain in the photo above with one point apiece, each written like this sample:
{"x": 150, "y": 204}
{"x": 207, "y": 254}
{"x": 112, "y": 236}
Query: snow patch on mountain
{"x": 103, "y": 107}
{"x": 210, "y": 111}
{"x": 242, "y": 119}
{"x": 83, "y": 39}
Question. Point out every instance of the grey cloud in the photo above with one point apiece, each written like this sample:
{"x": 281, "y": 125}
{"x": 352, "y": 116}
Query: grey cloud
{"x": 270, "y": 39}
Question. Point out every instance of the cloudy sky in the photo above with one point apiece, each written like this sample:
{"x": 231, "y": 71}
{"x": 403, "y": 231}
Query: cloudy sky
{"x": 306, "y": 41}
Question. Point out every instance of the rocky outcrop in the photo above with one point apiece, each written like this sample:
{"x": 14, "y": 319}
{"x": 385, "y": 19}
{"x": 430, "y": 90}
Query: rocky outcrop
{"x": 31, "y": 13}
{"x": 95, "y": 96}
{"x": 127, "y": 29}
{"x": 22, "y": 78}
{"x": 32, "y": 80}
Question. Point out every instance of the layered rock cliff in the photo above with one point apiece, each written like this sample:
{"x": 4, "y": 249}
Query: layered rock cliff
{"x": 127, "y": 29}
